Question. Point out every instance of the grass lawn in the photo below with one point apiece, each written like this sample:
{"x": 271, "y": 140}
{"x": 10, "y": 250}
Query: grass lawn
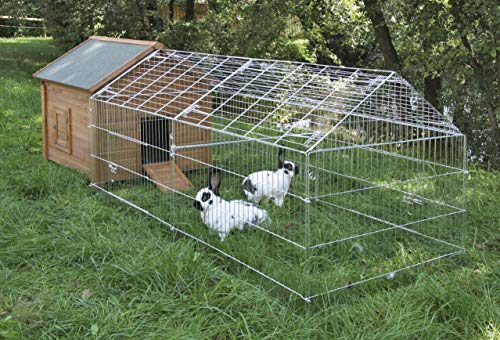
{"x": 74, "y": 264}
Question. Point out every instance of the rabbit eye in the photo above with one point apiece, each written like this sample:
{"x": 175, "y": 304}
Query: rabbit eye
{"x": 205, "y": 197}
{"x": 289, "y": 167}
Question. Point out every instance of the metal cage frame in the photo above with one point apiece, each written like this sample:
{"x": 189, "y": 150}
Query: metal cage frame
{"x": 319, "y": 114}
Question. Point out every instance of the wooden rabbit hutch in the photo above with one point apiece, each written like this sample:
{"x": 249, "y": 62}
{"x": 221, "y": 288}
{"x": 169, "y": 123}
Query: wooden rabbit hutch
{"x": 70, "y": 81}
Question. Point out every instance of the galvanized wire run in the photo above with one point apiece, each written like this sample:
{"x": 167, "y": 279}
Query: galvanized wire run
{"x": 316, "y": 177}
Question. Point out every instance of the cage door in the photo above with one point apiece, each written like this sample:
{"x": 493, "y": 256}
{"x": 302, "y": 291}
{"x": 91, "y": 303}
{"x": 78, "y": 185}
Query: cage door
{"x": 155, "y": 136}
{"x": 61, "y": 123}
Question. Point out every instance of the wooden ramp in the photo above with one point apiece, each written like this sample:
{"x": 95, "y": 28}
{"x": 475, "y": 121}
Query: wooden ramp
{"x": 168, "y": 174}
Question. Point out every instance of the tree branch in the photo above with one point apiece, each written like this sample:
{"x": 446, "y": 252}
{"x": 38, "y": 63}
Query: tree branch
{"x": 491, "y": 107}
{"x": 382, "y": 34}
{"x": 456, "y": 13}
{"x": 474, "y": 63}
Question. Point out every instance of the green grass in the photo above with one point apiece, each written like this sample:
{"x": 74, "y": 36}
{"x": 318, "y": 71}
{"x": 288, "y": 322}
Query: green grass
{"x": 75, "y": 264}
{"x": 330, "y": 267}
{"x": 333, "y": 266}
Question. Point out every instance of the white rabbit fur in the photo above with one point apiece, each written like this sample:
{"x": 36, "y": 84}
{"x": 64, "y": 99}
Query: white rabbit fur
{"x": 223, "y": 216}
{"x": 273, "y": 185}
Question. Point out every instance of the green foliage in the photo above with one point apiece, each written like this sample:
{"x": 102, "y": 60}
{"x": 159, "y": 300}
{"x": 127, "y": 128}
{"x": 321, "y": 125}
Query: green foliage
{"x": 130, "y": 19}
{"x": 14, "y": 23}
{"x": 338, "y": 31}
{"x": 429, "y": 37}
{"x": 254, "y": 29}
{"x": 70, "y": 22}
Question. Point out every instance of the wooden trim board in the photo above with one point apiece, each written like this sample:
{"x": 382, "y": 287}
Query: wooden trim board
{"x": 45, "y": 144}
{"x": 155, "y": 44}
{"x": 77, "y": 90}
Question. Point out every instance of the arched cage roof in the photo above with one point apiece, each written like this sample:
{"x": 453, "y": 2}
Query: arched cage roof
{"x": 270, "y": 99}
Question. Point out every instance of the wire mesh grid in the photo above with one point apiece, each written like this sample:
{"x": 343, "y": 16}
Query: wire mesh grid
{"x": 316, "y": 177}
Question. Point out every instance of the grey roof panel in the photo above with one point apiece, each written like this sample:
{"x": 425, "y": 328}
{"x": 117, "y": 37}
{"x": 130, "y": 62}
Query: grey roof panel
{"x": 87, "y": 64}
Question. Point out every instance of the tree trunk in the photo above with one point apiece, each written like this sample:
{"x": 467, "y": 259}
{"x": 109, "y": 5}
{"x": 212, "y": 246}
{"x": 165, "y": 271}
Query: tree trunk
{"x": 212, "y": 5}
{"x": 496, "y": 41}
{"x": 384, "y": 40}
{"x": 171, "y": 11}
{"x": 145, "y": 22}
{"x": 432, "y": 85}
{"x": 153, "y": 15}
{"x": 492, "y": 118}
{"x": 190, "y": 15}
{"x": 382, "y": 34}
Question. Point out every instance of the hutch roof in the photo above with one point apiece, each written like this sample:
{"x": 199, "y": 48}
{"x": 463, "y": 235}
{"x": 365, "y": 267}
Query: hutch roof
{"x": 96, "y": 61}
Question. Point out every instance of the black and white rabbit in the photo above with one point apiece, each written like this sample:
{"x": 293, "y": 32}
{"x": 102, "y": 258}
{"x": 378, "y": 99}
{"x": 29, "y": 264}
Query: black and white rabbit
{"x": 271, "y": 185}
{"x": 221, "y": 215}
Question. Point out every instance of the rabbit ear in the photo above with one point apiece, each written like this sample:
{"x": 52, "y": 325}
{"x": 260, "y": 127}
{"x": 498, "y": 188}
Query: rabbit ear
{"x": 214, "y": 180}
{"x": 281, "y": 158}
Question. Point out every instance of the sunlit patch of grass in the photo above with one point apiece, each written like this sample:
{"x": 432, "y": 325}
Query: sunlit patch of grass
{"x": 74, "y": 264}
{"x": 492, "y": 331}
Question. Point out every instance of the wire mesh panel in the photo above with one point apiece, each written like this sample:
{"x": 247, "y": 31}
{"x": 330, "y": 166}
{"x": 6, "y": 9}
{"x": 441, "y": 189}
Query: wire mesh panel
{"x": 316, "y": 177}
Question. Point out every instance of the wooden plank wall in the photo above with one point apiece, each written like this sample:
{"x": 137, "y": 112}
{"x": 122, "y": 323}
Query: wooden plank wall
{"x": 115, "y": 149}
{"x": 171, "y": 82}
{"x": 60, "y": 99}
